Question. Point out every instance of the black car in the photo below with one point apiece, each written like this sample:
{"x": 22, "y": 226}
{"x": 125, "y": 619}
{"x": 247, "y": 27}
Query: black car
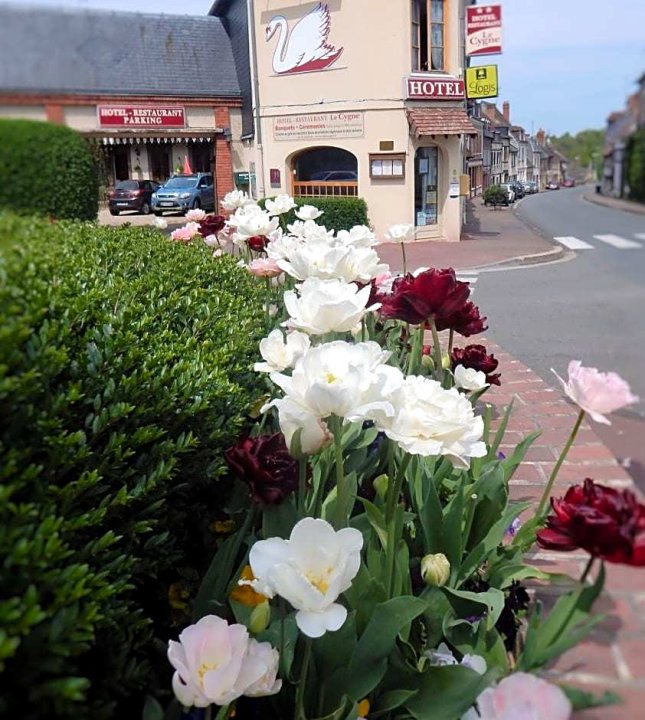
{"x": 131, "y": 195}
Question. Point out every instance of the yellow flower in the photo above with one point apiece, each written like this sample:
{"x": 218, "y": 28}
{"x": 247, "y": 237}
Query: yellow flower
{"x": 222, "y": 527}
{"x": 245, "y": 594}
{"x": 363, "y": 708}
{"x": 177, "y": 596}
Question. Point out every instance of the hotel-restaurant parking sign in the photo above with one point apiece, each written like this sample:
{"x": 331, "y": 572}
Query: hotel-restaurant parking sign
{"x": 483, "y": 30}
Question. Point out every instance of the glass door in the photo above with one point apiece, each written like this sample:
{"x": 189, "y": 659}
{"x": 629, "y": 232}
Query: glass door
{"x": 426, "y": 186}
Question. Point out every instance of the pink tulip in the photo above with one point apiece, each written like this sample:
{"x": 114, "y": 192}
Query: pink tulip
{"x": 183, "y": 234}
{"x": 216, "y": 663}
{"x": 195, "y": 215}
{"x": 264, "y": 267}
{"x": 521, "y": 696}
{"x": 596, "y": 393}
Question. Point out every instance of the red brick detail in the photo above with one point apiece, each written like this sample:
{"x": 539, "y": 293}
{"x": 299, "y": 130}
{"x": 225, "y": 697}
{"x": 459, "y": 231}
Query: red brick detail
{"x": 54, "y": 114}
{"x": 223, "y": 154}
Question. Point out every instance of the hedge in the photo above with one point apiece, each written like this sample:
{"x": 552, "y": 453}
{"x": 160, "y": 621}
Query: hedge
{"x": 635, "y": 161}
{"x": 124, "y": 371}
{"x": 340, "y": 213}
{"x": 47, "y": 169}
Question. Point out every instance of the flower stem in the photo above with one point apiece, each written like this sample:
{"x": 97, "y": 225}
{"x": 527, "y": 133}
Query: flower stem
{"x": 451, "y": 339}
{"x": 341, "y": 485}
{"x": 585, "y": 572}
{"x": 267, "y": 305}
{"x": 302, "y": 486}
{"x": 414, "y": 360}
{"x": 222, "y": 713}
{"x": 392, "y": 522}
{"x": 436, "y": 351}
{"x": 405, "y": 262}
{"x": 558, "y": 464}
{"x": 300, "y": 692}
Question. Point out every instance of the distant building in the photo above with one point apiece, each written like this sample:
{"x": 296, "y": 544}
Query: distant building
{"x": 620, "y": 127}
{"x": 151, "y": 90}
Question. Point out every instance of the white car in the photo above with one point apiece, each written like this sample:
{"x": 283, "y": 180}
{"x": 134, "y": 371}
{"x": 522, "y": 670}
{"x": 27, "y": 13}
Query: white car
{"x": 509, "y": 190}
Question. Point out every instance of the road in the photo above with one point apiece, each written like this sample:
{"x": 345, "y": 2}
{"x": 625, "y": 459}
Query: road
{"x": 589, "y": 306}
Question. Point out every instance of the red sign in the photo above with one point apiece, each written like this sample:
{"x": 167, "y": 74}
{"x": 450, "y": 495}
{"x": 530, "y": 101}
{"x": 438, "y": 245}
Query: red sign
{"x": 434, "y": 88}
{"x": 141, "y": 116}
{"x": 483, "y": 30}
{"x": 274, "y": 176}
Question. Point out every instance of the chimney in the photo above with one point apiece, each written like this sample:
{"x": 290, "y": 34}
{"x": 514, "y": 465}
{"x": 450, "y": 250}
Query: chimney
{"x": 540, "y": 136}
{"x": 506, "y": 111}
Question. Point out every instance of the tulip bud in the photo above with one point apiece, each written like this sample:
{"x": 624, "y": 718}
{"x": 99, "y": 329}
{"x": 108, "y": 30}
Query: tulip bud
{"x": 446, "y": 362}
{"x": 380, "y": 485}
{"x": 260, "y": 617}
{"x": 427, "y": 362}
{"x": 435, "y": 569}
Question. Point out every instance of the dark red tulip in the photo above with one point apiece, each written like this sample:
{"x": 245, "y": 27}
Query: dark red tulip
{"x": 431, "y": 294}
{"x": 265, "y": 465}
{"x": 466, "y": 321}
{"x": 258, "y": 242}
{"x": 475, "y": 357}
{"x": 607, "y": 523}
{"x": 211, "y": 225}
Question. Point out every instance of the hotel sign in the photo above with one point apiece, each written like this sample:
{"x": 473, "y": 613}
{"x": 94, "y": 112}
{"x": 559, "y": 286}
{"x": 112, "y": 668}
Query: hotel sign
{"x": 318, "y": 126}
{"x": 481, "y": 82}
{"x": 434, "y": 88}
{"x": 141, "y": 116}
{"x": 483, "y": 30}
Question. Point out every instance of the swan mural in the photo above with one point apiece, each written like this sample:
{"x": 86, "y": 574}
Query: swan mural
{"x": 305, "y": 49}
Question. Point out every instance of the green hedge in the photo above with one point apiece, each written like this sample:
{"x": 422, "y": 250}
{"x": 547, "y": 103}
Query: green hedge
{"x": 124, "y": 370}
{"x": 340, "y": 213}
{"x": 47, "y": 169}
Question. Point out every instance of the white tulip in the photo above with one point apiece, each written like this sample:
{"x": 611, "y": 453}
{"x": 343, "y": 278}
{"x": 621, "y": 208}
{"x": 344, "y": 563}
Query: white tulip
{"x": 293, "y": 417}
{"x": 160, "y": 223}
{"x": 358, "y": 236}
{"x": 212, "y": 241}
{"x": 242, "y": 215}
{"x": 280, "y": 354}
{"x": 400, "y": 233}
{"x": 310, "y": 570}
{"x": 469, "y": 378}
{"x": 345, "y": 262}
{"x": 339, "y": 378}
{"x": 257, "y": 224}
{"x": 324, "y": 306}
{"x": 429, "y": 420}
{"x": 279, "y": 205}
{"x": 265, "y": 657}
{"x": 235, "y": 199}
{"x": 308, "y": 212}
{"x": 195, "y": 215}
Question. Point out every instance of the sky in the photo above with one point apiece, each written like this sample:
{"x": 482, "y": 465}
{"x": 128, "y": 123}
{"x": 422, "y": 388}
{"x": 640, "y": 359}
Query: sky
{"x": 566, "y": 63}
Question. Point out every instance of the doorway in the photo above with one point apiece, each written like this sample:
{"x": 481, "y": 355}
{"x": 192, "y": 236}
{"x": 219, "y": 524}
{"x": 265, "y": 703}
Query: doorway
{"x": 159, "y": 161}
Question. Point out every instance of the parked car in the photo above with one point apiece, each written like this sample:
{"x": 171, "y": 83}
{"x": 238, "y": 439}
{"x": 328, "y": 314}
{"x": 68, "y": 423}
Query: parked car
{"x": 498, "y": 195}
{"x": 518, "y": 188}
{"x": 332, "y": 175}
{"x": 553, "y": 185}
{"x": 509, "y": 188}
{"x": 132, "y": 195}
{"x": 530, "y": 187}
{"x": 569, "y": 182}
{"x": 184, "y": 192}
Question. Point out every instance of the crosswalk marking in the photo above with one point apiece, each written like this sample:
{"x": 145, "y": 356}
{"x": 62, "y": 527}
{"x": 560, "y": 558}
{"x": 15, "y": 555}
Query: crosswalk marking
{"x": 618, "y": 242}
{"x": 472, "y": 279}
{"x": 573, "y": 243}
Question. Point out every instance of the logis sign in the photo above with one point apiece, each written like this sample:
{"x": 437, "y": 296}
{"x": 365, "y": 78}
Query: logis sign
{"x": 304, "y": 47}
{"x": 483, "y": 30}
{"x": 481, "y": 82}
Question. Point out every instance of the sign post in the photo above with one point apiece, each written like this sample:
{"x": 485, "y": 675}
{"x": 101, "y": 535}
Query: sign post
{"x": 483, "y": 30}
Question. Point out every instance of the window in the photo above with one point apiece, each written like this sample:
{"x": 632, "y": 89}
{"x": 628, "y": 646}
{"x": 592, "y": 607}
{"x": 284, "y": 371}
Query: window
{"x": 387, "y": 165}
{"x": 428, "y": 34}
{"x": 426, "y": 186}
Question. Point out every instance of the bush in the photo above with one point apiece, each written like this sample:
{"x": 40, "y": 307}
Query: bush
{"x": 635, "y": 174}
{"x": 124, "y": 370}
{"x": 495, "y": 195}
{"x": 340, "y": 213}
{"x": 47, "y": 169}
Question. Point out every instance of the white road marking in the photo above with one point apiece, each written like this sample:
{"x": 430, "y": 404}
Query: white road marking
{"x": 618, "y": 242}
{"x": 639, "y": 236}
{"x": 573, "y": 243}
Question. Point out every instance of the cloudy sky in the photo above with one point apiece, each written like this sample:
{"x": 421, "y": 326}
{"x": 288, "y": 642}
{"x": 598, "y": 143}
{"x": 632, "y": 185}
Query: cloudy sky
{"x": 566, "y": 64}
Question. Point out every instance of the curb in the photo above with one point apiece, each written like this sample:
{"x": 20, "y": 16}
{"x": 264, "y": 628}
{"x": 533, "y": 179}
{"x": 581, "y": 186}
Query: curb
{"x": 541, "y": 258}
{"x": 614, "y": 203}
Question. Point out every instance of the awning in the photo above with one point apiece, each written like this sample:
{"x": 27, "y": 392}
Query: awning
{"x": 130, "y": 137}
{"x": 440, "y": 121}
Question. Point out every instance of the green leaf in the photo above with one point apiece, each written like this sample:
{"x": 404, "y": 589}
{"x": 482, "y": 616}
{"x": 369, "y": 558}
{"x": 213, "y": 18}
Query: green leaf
{"x": 390, "y": 701}
{"x": 466, "y": 604}
{"x": 581, "y": 699}
{"x": 377, "y": 521}
{"x": 446, "y": 693}
{"x": 152, "y": 710}
{"x": 369, "y": 660}
{"x": 453, "y": 527}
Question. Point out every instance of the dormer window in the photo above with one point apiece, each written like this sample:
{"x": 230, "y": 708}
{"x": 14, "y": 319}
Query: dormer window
{"x": 428, "y": 35}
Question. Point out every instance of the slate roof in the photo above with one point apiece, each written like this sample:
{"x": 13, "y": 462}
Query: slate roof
{"x": 102, "y": 52}
{"x": 440, "y": 121}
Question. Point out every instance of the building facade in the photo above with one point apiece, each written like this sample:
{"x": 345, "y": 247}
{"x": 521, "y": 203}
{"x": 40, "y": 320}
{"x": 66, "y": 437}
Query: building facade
{"x": 157, "y": 94}
{"x": 362, "y": 99}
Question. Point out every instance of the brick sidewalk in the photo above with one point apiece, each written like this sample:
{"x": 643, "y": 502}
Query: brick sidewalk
{"x": 613, "y": 656}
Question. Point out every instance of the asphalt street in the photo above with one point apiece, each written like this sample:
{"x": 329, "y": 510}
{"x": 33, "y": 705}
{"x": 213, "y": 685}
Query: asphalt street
{"x": 590, "y": 306}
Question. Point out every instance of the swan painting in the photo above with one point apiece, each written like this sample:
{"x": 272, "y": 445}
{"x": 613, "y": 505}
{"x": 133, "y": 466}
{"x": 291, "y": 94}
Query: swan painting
{"x": 305, "y": 49}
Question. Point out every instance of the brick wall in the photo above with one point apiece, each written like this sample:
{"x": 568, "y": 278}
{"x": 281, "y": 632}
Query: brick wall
{"x": 223, "y": 155}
